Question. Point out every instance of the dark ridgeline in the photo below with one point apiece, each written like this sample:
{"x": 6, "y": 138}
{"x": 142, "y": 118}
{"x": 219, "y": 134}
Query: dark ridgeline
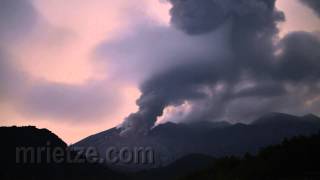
{"x": 173, "y": 141}
{"x": 296, "y": 157}
{"x": 31, "y": 137}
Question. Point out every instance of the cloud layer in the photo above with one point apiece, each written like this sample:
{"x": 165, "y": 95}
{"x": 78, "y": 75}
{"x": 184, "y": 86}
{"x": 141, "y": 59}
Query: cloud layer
{"x": 216, "y": 60}
{"x": 260, "y": 73}
{"x": 36, "y": 97}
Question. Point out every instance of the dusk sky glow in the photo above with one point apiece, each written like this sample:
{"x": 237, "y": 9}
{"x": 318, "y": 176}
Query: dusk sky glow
{"x": 59, "y": 68}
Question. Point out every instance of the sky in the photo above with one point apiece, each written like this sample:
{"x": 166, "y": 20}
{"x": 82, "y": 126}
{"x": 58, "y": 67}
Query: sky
{"x": 78, "y": 67}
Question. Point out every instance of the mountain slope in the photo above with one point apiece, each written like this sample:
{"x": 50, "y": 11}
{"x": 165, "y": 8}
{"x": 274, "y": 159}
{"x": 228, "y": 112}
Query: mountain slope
{"x": 185, "y": 165}
{"x": 172, "y": 141}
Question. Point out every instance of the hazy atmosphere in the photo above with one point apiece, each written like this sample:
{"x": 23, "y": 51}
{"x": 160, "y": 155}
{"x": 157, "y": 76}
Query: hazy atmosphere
{"x": 78, "y": 67}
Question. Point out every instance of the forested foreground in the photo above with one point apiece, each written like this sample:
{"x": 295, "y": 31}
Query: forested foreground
{"x": 294, "y": 159}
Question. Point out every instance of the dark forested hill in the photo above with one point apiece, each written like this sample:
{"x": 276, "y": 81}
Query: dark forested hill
{"x": 27, "y": 153}
{"x": 294, "y": 159}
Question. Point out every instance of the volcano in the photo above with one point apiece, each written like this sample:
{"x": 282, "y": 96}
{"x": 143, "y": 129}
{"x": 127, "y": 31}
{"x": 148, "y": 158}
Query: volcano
{"x": 172, "y": 141}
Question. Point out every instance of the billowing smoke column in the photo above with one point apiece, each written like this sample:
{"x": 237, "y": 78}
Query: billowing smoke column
{"x": 255, "y": 60}
{"x": 150, "y": 107}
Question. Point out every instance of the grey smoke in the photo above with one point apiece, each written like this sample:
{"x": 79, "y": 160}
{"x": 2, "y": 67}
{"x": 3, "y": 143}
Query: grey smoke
{"x": 197, "y": 17}
{"x": 258, "y": 76}
{"x": 299, "y": 60}
{"x": 313, "y": 4}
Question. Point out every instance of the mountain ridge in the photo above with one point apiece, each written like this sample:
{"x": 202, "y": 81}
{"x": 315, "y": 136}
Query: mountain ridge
{"x": 173, "y": 141}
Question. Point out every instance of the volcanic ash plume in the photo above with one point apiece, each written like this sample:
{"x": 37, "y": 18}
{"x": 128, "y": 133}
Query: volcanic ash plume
{"x": 257, "y": 75}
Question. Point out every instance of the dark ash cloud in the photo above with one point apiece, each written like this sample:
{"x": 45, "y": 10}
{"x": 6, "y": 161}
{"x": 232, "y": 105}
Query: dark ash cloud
{"x": 197, "y": 17}
{"x": 259, "y": 75}
{"x": 300, "y": 57}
